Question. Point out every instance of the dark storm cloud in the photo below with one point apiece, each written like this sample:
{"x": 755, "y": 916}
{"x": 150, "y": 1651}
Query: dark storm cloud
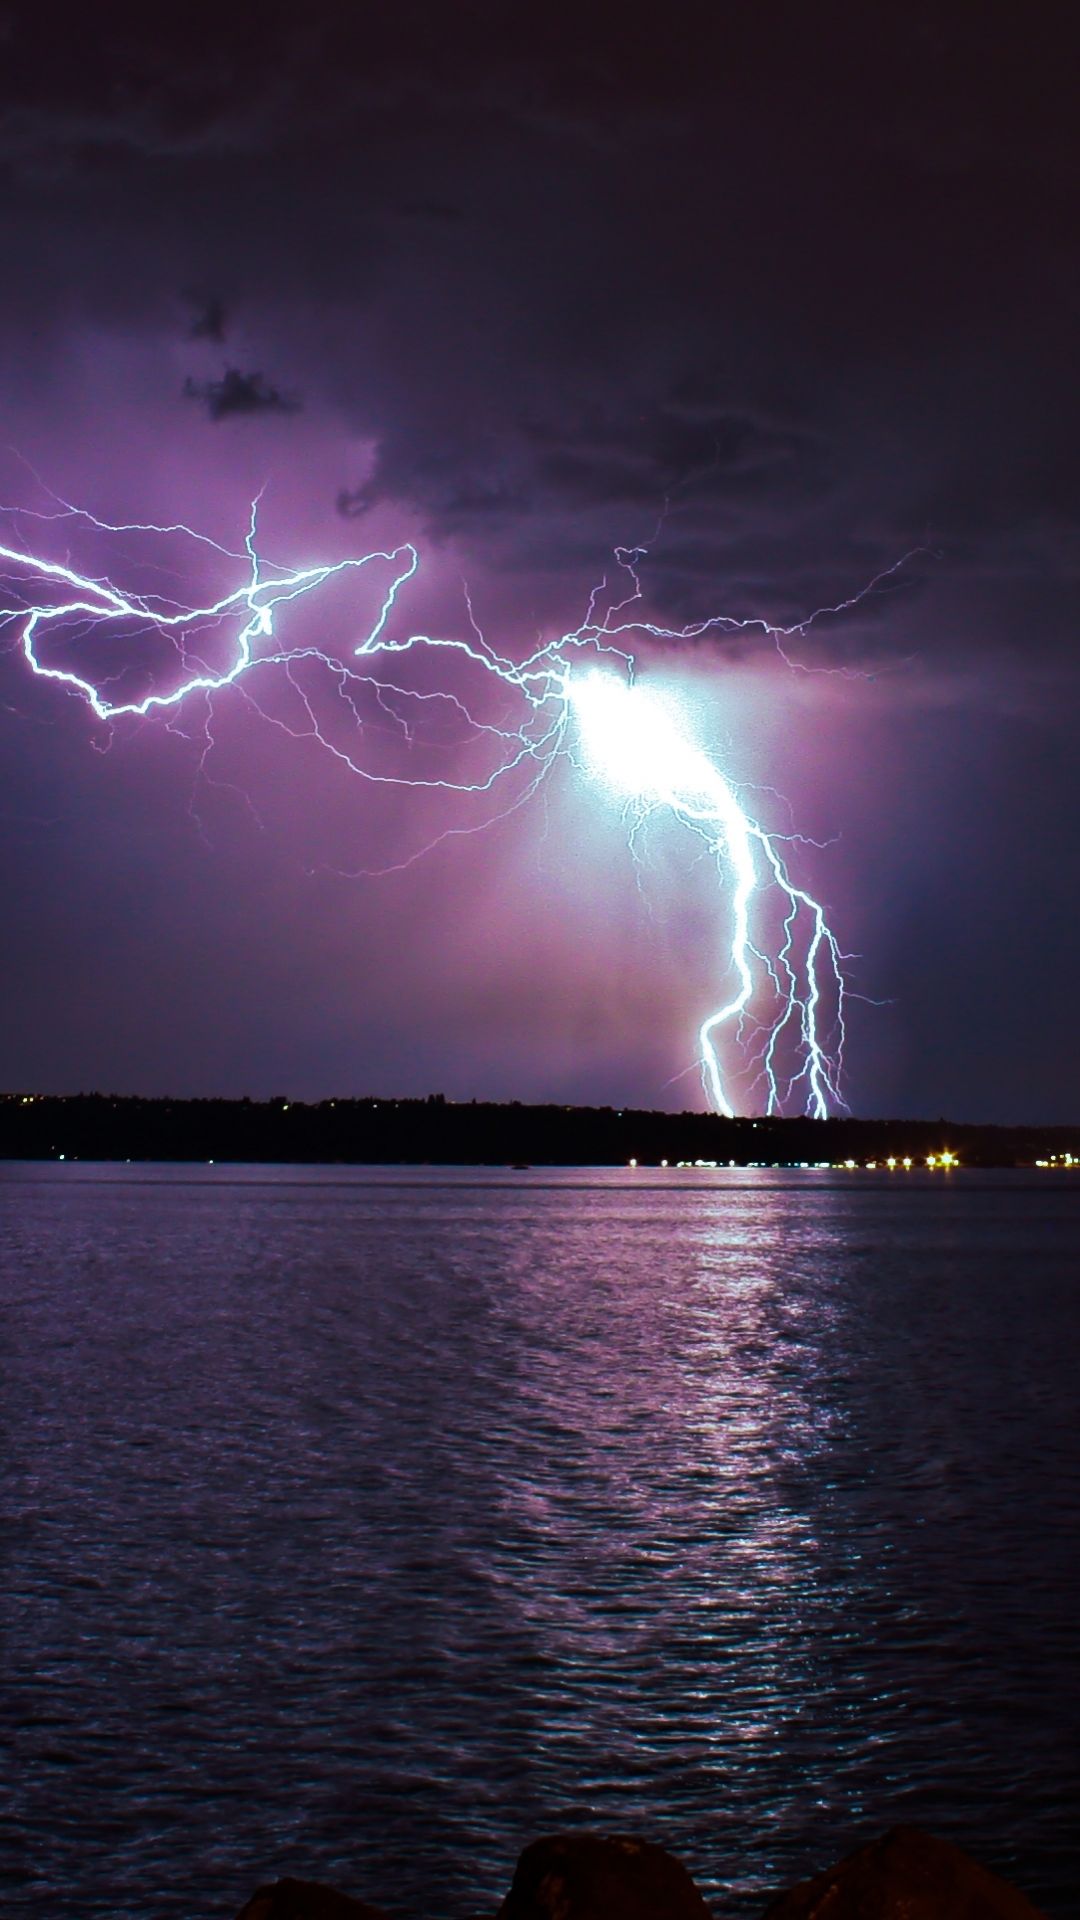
{"x": 430, "y": 210}
{"x": 239, "y": 393}
{"x": 948, "y": 82}
{"x": 599, "y": 458}
{"x": 809, "y": 280}
{"x": 211, "y": 322}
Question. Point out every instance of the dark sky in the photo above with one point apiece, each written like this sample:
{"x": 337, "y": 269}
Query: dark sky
{"x": 780, "y": 292}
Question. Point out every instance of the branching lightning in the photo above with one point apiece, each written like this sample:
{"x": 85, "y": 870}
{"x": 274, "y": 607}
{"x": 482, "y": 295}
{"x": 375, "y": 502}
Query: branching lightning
{"x": 635, "y": 741}
{"x": 783, "y": 1011}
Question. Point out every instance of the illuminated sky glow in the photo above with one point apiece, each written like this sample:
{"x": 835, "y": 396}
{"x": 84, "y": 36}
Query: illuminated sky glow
{"x": 638, "y": 743}
{"x": 629, "y": 738}
{"x": 773, "y": 299}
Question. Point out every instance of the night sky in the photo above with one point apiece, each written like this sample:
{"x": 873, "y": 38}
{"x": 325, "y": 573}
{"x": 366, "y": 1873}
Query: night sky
{"x": 781, "y": 293}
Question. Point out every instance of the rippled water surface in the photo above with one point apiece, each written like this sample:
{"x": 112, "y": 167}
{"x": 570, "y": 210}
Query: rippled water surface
{"x": 366, "y": 1524}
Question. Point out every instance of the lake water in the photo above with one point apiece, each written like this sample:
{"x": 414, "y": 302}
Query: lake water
{"x": 365, "y": 1524}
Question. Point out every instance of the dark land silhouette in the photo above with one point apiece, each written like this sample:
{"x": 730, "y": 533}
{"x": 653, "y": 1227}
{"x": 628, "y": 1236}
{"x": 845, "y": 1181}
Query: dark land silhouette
{"x": 436, "y": 1131}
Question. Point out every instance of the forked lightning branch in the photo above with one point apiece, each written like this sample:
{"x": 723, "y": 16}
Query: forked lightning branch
{"x": 777, "y": 1029}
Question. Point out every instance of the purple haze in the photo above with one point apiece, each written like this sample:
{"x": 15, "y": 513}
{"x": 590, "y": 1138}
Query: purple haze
{"x": 521, "y": 294}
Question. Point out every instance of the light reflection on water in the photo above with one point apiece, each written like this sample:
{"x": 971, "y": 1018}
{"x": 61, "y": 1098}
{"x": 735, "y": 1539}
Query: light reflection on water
{"x": 364, "y": 1524}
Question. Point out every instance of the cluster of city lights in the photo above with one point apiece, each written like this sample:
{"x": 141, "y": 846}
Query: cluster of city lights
{"x": 933, "y": 1161}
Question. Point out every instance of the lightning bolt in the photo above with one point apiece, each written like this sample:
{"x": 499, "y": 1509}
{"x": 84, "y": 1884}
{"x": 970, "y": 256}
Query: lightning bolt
{"x": 576, "y": 695}
{"x": 636, "y": 742}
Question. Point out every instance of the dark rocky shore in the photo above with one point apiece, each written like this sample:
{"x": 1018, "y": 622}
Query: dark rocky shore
{"x": 904, "y": 1875}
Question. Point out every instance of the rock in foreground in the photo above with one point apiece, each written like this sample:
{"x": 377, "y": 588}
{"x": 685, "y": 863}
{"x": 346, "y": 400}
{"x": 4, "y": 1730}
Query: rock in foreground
{"x": 579, "y": 1876}
{"x": 906, "y": 1875}
{"x": 305, "y": 1900}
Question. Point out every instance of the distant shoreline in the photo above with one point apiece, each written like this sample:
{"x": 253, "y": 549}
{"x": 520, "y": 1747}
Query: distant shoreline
{"x": 436, "y": 1131}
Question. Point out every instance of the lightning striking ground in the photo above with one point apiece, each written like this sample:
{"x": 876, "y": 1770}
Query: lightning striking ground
{"x": 780, "y": 1026}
